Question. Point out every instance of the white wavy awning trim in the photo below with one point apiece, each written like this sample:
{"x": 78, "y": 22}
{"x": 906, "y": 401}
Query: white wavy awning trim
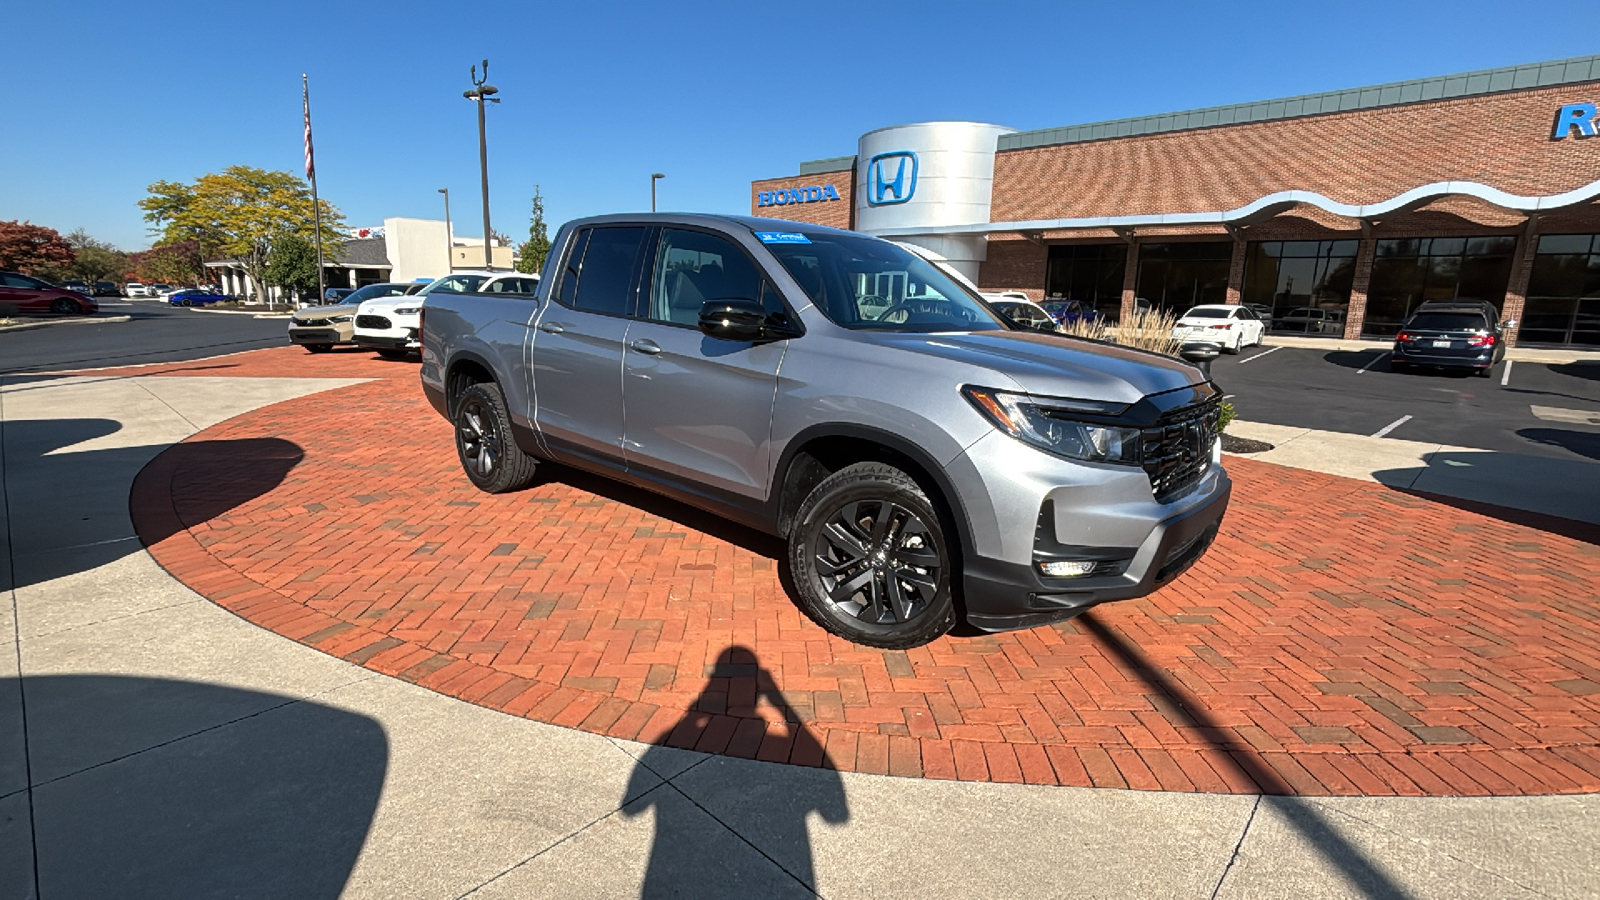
{"x": 1272, "y": 204}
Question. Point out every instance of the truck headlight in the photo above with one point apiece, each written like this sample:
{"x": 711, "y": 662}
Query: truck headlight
{"x": 1051, "y": 424}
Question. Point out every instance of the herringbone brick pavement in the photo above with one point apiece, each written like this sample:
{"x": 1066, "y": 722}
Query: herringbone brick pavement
{"x": 1339, "y": 638}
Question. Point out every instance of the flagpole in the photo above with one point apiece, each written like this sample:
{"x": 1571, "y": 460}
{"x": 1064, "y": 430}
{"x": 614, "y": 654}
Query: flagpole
{"x": 316, "y": 205}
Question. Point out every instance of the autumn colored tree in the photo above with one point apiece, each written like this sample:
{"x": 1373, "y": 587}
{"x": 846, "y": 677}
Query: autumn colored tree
{"x": 537, "y": 246}
{"x": 33, "y": 249}
{"x": 178, "y": 262}
{"x": 238, "y": 214}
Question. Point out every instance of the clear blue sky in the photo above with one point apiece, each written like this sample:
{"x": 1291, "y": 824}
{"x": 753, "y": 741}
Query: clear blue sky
{"x": 103, "y": 97}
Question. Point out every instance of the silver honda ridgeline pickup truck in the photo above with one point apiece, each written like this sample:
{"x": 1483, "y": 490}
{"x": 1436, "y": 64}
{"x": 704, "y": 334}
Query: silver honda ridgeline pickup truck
{"x": 923, "y": 458}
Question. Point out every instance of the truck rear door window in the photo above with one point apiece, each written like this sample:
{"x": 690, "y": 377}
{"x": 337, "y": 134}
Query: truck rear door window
{"x": 606, "y": 275}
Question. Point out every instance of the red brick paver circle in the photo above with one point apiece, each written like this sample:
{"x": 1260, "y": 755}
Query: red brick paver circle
{"x": 1340, "y": 638}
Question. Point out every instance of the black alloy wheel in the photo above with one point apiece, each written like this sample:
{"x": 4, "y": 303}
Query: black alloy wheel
{"x": 187, "y": 302}
{"x": 870, "y": 559}
{"x": 877, "y": 562}
{"x": 63, "y": 306}
{"x": 489, "y": 456}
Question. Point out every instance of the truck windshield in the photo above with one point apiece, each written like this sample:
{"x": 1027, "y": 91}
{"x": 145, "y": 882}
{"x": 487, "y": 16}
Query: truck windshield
{"x": 869, "y": 284}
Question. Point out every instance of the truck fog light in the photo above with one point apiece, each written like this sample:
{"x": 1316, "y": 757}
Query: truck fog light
{"x": 1067, "y": 568}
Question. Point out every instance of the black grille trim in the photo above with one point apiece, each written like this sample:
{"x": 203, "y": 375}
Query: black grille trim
{"x": 374, "y": 322}
{"x": 1176, "y": 451}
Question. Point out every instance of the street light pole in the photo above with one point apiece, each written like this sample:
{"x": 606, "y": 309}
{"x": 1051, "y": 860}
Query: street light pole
{"x": 449, "y": 243}
{"x": 483, "y": 93}
{"x": 653, "y": 189}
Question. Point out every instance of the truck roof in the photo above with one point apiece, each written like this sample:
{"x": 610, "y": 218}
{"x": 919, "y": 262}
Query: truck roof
{"x": 754, "y": 223}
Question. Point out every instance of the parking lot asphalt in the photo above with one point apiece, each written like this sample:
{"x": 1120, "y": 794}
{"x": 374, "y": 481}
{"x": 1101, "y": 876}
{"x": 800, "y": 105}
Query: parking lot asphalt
{"x": 156, "y": 332}
{"x": 1538, "y": 409}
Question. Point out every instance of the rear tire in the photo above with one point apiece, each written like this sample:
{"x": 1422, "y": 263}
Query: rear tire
{"x": 187, "y": 302}
{"x": 870, "y": 559}
{"x": 1238, "y": 344}
{"x": 484, "y": 445}
{"x": 1484, "y": 372}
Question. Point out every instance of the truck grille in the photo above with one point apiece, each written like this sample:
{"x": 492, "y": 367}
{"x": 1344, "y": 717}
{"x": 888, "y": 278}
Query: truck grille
{"x": 1177, "y": 449}
{"x": 373, "y": 322}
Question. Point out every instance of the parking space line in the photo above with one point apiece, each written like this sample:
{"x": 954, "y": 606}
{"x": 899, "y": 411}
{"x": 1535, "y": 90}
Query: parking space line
{"x": 1384, "y": 431}
{"x": 1505, "y": 377}
{"x": 1259, "y": 355}
{"x": 1374, "y": 362}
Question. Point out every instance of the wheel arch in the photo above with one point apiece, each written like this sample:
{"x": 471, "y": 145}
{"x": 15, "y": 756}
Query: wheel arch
{"x": 465, "y": 370}
{"x": 820, "y": 450}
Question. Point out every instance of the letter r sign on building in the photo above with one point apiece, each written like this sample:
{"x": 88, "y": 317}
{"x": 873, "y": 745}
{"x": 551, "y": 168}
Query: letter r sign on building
{"x": 1575, "y": 115}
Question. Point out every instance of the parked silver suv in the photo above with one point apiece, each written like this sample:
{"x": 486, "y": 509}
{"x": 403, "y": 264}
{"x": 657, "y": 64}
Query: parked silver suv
{"x": 924, "y": 459}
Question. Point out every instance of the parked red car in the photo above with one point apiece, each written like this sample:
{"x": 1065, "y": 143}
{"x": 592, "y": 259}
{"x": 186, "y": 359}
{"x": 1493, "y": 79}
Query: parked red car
{"x": 27, "y": 294}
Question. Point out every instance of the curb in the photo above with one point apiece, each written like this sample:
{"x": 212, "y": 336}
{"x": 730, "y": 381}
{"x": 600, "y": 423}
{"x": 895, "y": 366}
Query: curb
{"x": 240, "y": 312}
{"x": 1514, "y": 354}
{"x": 25, "y": 326}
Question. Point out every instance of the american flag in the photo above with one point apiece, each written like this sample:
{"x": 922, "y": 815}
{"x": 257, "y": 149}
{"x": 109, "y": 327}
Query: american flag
{"x": 311, "y": 168}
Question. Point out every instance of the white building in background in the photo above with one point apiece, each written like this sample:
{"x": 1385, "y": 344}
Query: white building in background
{"x": 402, "y": 249}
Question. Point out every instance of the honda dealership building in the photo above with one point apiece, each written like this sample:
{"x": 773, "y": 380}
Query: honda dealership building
{"x": 1339, "y": 211}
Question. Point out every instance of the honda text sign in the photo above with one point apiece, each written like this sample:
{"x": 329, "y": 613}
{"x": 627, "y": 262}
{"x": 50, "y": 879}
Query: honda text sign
{"x": 891, "y": 177}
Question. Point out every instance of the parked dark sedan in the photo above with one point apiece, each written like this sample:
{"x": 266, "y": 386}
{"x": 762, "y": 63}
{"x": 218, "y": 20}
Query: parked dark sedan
{"x": 106, "y": 289}
{"x": 1465, "y": 335}
{"x": 197, "y": 297}
{"x": 26, "y": 294}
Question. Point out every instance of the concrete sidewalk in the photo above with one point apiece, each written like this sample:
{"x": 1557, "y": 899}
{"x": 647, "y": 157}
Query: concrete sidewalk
{"x": 1568, "y": 489}
{"x": 152, "y": 744}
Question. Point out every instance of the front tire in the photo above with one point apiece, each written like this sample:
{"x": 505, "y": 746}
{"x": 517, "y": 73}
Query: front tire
{"x": 490, "y": 457}
{"x": 64, "y": 307}
{"x": 871, "y": 560}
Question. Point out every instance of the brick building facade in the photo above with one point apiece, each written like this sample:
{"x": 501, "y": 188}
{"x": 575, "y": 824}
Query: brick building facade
{"x": 1335, "y": 213}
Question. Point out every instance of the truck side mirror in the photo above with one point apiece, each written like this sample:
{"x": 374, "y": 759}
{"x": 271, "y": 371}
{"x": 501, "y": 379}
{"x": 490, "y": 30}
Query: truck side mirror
{"x": 733, "y": 320}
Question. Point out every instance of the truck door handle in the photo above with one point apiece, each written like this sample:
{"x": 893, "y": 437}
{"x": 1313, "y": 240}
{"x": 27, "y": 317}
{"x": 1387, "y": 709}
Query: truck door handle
{"x": 551, "y": 328}
{"x": 645, "y": 346}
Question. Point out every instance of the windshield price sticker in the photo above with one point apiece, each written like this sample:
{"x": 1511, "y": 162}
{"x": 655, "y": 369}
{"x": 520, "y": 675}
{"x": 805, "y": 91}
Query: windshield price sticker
{"x": 782, "y": 237}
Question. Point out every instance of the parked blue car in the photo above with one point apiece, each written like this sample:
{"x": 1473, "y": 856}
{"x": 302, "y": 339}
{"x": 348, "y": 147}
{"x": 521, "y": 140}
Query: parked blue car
{"x": 197, "y": 297}
{"x": 1065, "y": 312}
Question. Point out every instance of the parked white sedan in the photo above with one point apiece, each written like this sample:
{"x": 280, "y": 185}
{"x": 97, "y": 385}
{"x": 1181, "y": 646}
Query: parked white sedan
{"x": 1232, "y": 327}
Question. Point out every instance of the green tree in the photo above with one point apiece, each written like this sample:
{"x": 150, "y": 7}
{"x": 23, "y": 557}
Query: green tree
{"x": 292, "y": 265}
{"x": 96, "y": 260}
{"x": 34, "y": 249}
{"x": 238, "y": 214}
{"x": 537, "y": 246}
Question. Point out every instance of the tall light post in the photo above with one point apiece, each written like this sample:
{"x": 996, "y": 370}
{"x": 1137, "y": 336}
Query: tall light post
{"x": 480, "y": 94}
{"x": 449, "y": 243}
{"x": 653, "y": 189}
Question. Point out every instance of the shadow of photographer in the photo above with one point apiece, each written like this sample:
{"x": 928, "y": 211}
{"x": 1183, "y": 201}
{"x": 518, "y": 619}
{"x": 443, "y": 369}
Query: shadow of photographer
{"x": 695, "y": 854}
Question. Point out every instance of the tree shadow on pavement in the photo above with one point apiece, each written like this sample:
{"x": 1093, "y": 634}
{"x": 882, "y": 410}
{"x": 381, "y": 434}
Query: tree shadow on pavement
{"x": 144, "y": 787}
{"x": 694, "y": 854}
{"x": 1363, "y": 874}
{"x": 87, "y": 491}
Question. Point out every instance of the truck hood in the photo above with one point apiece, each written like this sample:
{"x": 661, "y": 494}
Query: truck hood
{"x": 1055, "y": 365}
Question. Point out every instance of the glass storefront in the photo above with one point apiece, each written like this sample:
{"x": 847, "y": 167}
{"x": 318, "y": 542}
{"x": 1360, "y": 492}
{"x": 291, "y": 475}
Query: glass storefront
{"x": 1564, "y": 292}
{"x": 1176, "y": 276}
{"x": 1088, "y": 273}
{"x": 1304, "y": 286}
{"x": 1410, "y": 271}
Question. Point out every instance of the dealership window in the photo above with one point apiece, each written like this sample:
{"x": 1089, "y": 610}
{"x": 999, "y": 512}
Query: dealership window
{"x": 1176, "y": 276}
{"x": 1564, "y": 292}
{"x": 1305, "y": 284}
{"x": 1088, "y": 273}
{"x": 1410, "y": 271}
